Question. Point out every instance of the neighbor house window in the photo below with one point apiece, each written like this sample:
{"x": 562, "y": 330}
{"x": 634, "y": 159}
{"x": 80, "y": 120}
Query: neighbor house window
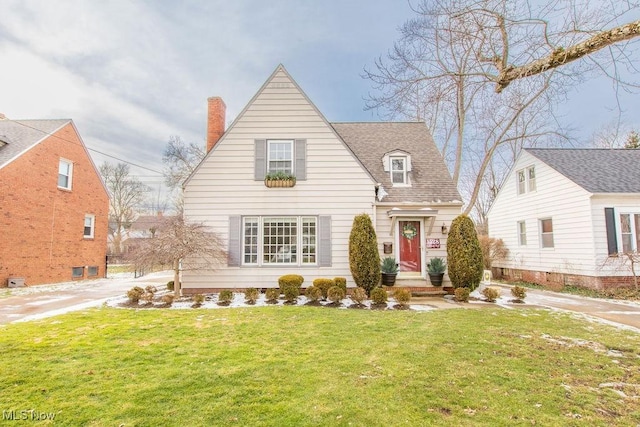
{"x": 89, "y": 226}
{"x": 398, "y": 170}
{"x": 65, "y": 174}
{"x": 77, "y": 272}
{"x": 92, "y": 270}
{"x": 630, "y": 232}
{"x": 546, "y": 232}
{"x": 280, "y": 156}
{"x": 522, "y": 233}
{"x": 526, "y": 180}
{"x": 279, "y": 240}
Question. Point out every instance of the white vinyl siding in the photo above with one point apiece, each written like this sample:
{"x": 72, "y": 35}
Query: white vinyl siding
{"x": 227, "y": 185}
{"x": 555, "y": 197}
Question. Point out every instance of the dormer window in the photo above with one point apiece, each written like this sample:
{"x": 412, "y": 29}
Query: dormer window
{"x": 398, "y": 164}
{"x": 399, "y": 170}
{"x": 280, "y": 154}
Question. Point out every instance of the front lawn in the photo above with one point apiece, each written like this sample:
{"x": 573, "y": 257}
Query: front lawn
{"x": 293, "y": 366}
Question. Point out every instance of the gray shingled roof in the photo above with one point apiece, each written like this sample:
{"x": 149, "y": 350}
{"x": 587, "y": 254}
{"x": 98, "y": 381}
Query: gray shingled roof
{"x": 595, "y": 170}
{"x": 21, "y": 135}
{"x": 430, "y": 178}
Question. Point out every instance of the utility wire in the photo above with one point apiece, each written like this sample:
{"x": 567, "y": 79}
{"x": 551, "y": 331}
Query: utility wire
{"x": 90, "y": 149}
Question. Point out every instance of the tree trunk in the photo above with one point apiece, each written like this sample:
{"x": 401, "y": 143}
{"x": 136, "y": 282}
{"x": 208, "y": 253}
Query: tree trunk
{"x": 177, "y": 286}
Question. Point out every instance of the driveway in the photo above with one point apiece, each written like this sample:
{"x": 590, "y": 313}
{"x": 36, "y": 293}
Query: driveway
{"x": 36, "y": 302}
{"x": 50, "y": 300}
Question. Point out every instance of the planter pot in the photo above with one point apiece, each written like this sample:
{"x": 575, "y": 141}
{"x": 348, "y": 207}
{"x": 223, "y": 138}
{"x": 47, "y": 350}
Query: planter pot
{"x": 436, "y": 278}
{"x": 279, "y": 183}
{"x": 389, "y": 279}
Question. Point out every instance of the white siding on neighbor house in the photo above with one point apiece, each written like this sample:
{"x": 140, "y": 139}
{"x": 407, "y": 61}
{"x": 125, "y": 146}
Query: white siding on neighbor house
{"x": 224, "y": 185}
{"x": 556, "y": 197}
{"x": 622, "y": 203}
{"x": 384, "y": 233}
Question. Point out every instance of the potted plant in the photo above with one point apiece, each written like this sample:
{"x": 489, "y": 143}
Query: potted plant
{"x": 279, "y": 179}
{"x": 436, "y": 269}
{"x": 389, "y": 269}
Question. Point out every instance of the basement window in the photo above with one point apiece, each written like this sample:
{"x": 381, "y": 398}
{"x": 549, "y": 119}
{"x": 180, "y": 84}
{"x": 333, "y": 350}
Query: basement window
{"x": 77, "y": 272}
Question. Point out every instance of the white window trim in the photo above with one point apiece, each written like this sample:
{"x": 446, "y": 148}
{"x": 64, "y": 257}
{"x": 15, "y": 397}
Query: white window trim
{"x": 527, "y": 180}
{"x": 405, "y": 174}
{"x": 70, "y": 176}
{"x": 520, "y": 234}
{"x": 634, "y": 230}
{"x": 291, "y": 142}
{"x": 93, "y": 226}
{"x": 300, "y": 219}
{"x": 552, "y": 234}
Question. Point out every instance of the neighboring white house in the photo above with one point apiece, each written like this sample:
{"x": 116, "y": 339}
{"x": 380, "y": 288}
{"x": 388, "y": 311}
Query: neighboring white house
{"x": 565, "y": 214}
{"x": 391, "y": 171}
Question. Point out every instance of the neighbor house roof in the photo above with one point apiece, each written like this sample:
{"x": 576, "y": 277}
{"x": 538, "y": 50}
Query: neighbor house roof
{"x": 430, "y": 178}
{"x": 21, "y": 135}
{"x": 596, "y": 170}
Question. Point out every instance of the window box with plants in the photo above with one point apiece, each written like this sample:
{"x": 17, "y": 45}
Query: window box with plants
{"x": 436, "y": 269}
{"x": 389, "y": 271}
{"x": 279, "y": 179}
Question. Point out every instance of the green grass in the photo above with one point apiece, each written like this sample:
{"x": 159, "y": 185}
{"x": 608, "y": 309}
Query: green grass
{"x": 297, "y": 366}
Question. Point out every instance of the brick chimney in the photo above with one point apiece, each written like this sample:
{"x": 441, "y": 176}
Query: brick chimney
{"x": 215, "y": 121}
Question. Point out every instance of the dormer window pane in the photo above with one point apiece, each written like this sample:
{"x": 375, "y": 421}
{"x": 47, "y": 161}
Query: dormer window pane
{"x": 398, "y": 170}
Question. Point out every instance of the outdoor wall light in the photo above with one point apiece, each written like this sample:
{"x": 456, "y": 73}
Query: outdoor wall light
{"x": 444, "y": 229}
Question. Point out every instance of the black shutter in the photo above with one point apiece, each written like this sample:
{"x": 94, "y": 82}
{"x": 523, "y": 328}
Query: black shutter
{"x": 610, "y": 220}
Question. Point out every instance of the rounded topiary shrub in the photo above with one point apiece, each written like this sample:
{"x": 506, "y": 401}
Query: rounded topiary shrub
{"x": 341, "y": 282}
{"x": 291, "y": 293}
{"x": 402, "y": 296}
{"x": 225, "y": 297}
{"x": 324, "y": 285}
{"x": 290, "y": 280}
{"x": 464, "y": 255}
{"x": 251, "y": 295}
{"x": 167, "y": 299}
{"x": 462, "y": 294}
{"x": 491, "y": 294}
{"x": 272, "y": 295}
{"x": 358, "y": 295}
{"x": 364, "y": 259}
{"x": 134, "y": 294}
{"x": 335, "y": 294}
{"x": 198, "y": 299}
{"x": 313, "y": 294}
{"x": 519, "y": 293}
{"x": 378, "y": 296}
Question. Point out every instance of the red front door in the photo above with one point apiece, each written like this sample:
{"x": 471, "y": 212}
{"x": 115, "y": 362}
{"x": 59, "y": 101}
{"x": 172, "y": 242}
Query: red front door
{"x": 410, "y": 246}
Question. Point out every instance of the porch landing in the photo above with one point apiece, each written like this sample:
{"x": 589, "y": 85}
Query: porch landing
{"x": 419, "y": 287}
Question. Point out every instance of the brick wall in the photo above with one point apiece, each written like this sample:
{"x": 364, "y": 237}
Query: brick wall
{"x": 552, "y": 280}
{"x": 42, "y": 226}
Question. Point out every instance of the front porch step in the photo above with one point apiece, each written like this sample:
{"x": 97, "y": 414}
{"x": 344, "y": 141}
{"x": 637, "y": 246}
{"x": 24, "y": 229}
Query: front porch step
{"x": 418, "y": 287}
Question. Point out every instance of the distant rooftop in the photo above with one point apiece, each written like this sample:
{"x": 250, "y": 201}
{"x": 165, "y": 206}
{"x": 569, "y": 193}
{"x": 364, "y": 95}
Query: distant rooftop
{"x": 596, "y": 170}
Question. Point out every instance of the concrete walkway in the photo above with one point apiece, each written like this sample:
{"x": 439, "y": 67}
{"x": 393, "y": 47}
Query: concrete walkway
{"x": 36, "y": 302}
{"x": 50, "y": 300}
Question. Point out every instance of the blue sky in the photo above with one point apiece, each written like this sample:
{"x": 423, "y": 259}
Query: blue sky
{"x": 132, "y": 73}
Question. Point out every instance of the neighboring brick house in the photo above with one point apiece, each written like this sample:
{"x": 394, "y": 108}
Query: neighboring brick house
{"x": 391, "y": 171}
{"x": 53, "y": 204}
